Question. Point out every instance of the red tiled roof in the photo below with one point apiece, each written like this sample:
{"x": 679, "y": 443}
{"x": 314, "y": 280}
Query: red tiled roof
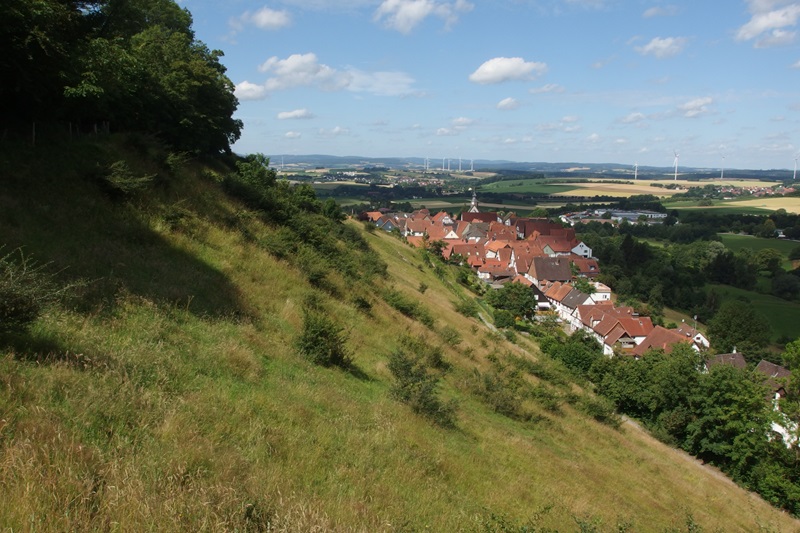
{"x": 660, "y": 338}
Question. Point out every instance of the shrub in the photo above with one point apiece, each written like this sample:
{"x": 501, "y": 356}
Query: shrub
{"x": 120, "y": 179}
{"x": 430, "y": 354}
{"x": 601, "y": 410}
{"x": 503, "y": 318}
{"x": 408, "y": 307}
{"x": 415, "y": 386}
{"x": 25, "y": 290}
{"x": 467, "y": 307}
{"x": 322, "y": 341}
{"x": 450, "y": 335}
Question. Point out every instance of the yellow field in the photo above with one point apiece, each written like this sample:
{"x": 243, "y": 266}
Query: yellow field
{"x": 599, "y": 188}
{"x": 791, "y": 204}
{"x": 621, "y": 189}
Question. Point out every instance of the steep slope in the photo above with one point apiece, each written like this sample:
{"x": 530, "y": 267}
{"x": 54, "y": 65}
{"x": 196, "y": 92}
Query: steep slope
{"x": 168, "y": 394}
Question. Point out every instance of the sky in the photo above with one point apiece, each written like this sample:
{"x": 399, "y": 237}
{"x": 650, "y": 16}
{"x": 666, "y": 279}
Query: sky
{"x": 592, "y": 81}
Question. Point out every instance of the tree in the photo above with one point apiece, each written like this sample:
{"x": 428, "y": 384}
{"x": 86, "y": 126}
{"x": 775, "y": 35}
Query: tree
{"x": 791, "y": 355}
{"x": 738, "y": 325}
{"x": 322, "y": 341}
{"x": 770, "y": 259}
{"x": 583, "y": 285}
{"x": 729, "y": 420}
{"x": 515, "y": 298}
{"x": 786, "y": 286}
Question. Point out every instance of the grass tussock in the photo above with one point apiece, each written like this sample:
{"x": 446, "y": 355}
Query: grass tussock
{"x": 175, "y": 390}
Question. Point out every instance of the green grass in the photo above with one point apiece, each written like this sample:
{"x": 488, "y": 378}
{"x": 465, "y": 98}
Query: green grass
{"x": 530, "y": 186}
{"x": 783, "y": 316}
{"x": 740, "y": 242}
{"x": 720, "y": 207}
{"x": 167, "y": 395}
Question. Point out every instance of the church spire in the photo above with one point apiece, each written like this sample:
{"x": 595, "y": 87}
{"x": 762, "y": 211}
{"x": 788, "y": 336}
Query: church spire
{"x": 473, "y": 208}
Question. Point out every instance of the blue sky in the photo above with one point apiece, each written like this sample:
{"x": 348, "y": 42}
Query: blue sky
{"x": 600, "y": 81}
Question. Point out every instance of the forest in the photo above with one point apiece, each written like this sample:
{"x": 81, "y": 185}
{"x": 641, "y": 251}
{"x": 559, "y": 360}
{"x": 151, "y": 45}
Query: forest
{"x": 72, "y": 67}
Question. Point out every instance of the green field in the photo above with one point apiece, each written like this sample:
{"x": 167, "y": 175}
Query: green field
{"x": 529, "y": 186}
{"x": 739, "y": 242}
{"x": 784, "y": 316}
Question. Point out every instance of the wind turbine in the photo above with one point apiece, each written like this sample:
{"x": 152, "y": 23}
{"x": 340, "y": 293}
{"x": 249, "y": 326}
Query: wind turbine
{"x": 794, "y": 176}
{"x": 635, "y": 171}
{"x": 722, "y": 170}
{"x": 676, "y": 164}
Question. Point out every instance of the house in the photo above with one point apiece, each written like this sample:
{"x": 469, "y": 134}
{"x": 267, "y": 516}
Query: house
{"x": 775, "y": 377}
{"x": 734, "y": 359}
{"x": 602, "y": 292}
{"x": 661, "y": 338}
{"x": 544, "y": 269}
{"x": 582, "y": 250}
{"x": 587, "y": 268}
{"x": 700, "y": 340}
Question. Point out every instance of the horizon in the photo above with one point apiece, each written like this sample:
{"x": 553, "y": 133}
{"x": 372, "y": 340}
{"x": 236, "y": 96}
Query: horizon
{"x": 434, "y": 166}
{"x": 546, "y": 80}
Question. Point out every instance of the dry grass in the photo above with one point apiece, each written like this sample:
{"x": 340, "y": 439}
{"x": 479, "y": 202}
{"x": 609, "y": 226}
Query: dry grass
{"x": 144, "y": 413}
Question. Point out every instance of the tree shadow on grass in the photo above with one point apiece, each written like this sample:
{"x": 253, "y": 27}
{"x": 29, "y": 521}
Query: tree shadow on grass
{"x": 67, "y": 223}
{"x": 356, "y": 371}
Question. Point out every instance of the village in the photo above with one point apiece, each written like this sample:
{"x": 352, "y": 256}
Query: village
{"x": 549, "y": 258}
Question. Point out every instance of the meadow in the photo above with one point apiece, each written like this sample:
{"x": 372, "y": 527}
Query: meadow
{"x": 168, "y": 394}
{"x": 739, "y": 242}
{"x": 783, "y": 315}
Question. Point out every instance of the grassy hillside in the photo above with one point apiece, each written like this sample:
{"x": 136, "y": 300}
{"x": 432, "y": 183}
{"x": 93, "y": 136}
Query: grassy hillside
{"x": 166, "y": 393}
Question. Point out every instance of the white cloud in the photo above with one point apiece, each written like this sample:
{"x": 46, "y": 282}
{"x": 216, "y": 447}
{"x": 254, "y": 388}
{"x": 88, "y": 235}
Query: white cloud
{"x": 593, "y": 138}
{"x": 461, "y": 123}
{"x": 305, "y": 70}
{"x": 633, "y": 118}
{"x": 589, "y": 4}
{"x": 382, "y": 83}
{"x": 250, "y": 91}
{"x": 768, "y": 17}
{"x": 502, "y": 69}
{"x": 548, "y": 88}
{"x": 661, "y": 48}
{"x": 776, "y": 38}
{"x": 300, "y": 70}
{"x": 405, "y": 15}
{"x": 263, "y": 19}
{"x": 796, "y": 64}
{"x": 442, "y": 132}
{"x": 659, "y": 11}
{"x": 293, "y": 135}
{"x": 508, "y": 104}
{"x": 334, "y": 132}
{"x": 697, "y": 107}
{"x": 569, "y": 119}
{"x": 296, "y": 114}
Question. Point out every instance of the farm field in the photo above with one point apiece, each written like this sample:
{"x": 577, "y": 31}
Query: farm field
{"x": 739, "y": 242}
{"x": 598, "y": 188}
{"x": 750, "y": 206}
{"x": 783, "y": 316}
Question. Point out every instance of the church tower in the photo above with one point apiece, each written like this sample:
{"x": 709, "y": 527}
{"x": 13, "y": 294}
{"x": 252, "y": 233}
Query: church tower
{"x": 473, "y": 207}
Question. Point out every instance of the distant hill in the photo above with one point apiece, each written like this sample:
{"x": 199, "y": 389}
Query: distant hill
{"x": 559, "y": 169}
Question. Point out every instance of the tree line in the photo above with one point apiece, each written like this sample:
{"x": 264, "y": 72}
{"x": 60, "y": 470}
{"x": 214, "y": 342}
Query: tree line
{"x": 120, "y": 65}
